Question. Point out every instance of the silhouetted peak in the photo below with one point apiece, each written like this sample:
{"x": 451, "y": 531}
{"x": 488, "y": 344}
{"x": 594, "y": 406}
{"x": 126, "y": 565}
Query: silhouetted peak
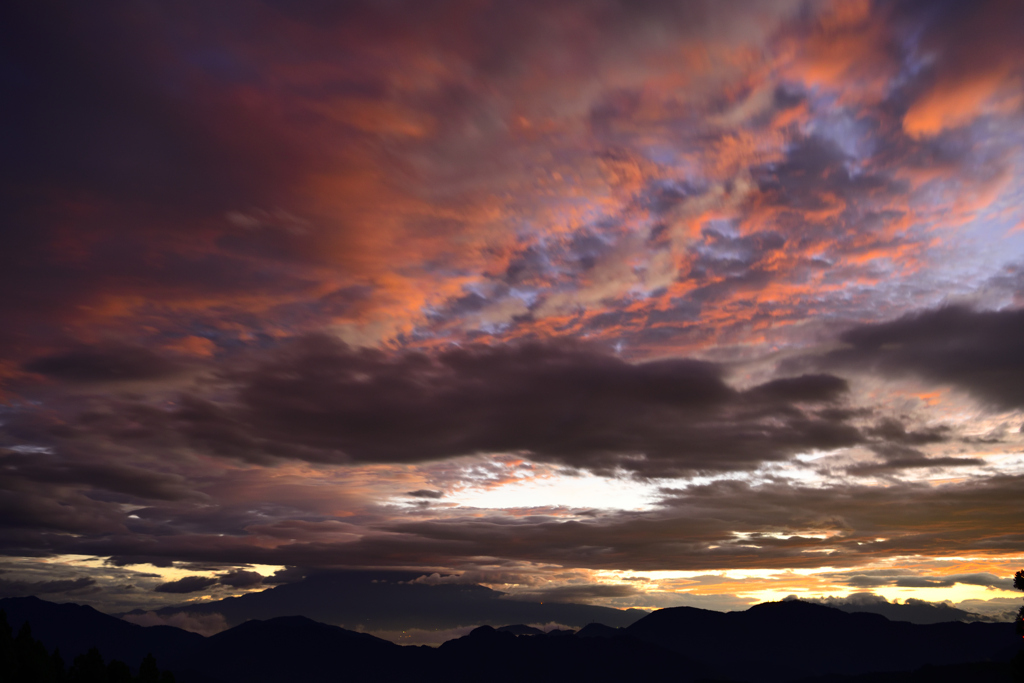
{"x": 521, "y": 630}
{"x": 294, "y": 621}
{"x": 486, "y": 637}
{"x": 792, "y": 606}
{"x": 676, "y": 618}
{"x": 483, "y": 632}
{"x": 555, "y": 632}
{"x": 292, "y": 627}
{"x": 803, "y": 614}
{"x": 599, "y": 631}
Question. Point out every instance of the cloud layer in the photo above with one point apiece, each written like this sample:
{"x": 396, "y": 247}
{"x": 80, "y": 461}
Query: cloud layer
{"x": 294, "y": 300}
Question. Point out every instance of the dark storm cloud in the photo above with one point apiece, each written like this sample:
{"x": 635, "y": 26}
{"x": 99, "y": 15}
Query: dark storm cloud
{"x": 189, "y": 584}
{"x": 114, "y": 363}
{"x": 561, "y": 402}
{"x": 977, "y": 351}
{"x": 321, "y": 401}
{"x": 893, "y": 431}
{"x": 92, "y": 470}
{"x": 240, "y": 578}
{"x": 425, "y": 493}
{"x": 286, "y": 575}
{"x": 806, "y": 388}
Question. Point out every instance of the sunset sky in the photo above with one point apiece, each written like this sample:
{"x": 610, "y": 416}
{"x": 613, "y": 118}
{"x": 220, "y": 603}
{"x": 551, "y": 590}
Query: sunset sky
{"x": 631, "y": 302}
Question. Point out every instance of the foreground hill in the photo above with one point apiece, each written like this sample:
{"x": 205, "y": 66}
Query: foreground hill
{"x": 76, "y": 628}
{"x": 298, "y": 649}
{"x": 769, "y": 643}
{"x": 784, "y": 641}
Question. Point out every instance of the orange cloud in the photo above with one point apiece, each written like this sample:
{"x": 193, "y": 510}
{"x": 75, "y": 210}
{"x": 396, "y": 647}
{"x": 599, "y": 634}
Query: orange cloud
{"x": 958, "y": 103}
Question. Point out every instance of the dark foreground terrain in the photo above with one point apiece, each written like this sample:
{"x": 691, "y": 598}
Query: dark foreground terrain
{"x": 770, "y": 643}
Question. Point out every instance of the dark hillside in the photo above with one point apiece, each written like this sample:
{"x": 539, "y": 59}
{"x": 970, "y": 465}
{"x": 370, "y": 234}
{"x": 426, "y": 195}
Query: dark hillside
{"x": 76, "y": 628}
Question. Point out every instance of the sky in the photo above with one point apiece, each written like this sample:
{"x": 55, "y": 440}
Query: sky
{"x": 639, "y": 304}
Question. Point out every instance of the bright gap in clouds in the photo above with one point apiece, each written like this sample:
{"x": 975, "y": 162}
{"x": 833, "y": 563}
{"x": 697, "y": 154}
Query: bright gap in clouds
{"x": 559, "y": 489}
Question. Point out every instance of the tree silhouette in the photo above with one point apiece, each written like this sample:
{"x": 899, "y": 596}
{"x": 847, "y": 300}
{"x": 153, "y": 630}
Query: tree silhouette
{"x": 88, "y": 668}
{"x": 1017, "y": 665}
{"x": 118, "y": 672}
{"x": 1018, "y": 583}
{"x": 148, "y": 673}
{"x": 23, "y": 659}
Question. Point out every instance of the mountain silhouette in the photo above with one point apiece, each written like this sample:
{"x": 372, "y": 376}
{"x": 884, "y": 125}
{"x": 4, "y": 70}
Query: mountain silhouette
{"x": 782, "y": 642}
{"x": 558, "y": 659}
{"x": 786, "y": 641}
{"x": 391, "y": 601}
{"x": 297, "y": 649}
{"x": 77, "y": 628}
{"x": 521, "y": 630}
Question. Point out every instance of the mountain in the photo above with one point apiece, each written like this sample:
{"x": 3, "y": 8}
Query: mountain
{"x": 298, "y": 649}
{"x": 487, "y": 654}
{"x": 769, "y": 643}
{"x": 785, "y": 641}
{"x": 375, "y": 601}
{"x": 76, "y": 628}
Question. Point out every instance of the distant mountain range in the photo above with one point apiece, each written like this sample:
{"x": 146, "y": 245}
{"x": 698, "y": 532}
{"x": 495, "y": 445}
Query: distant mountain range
{"x": 393, "y": 601}
{"x": 768, "y": 643}
{"x": 914, "y": 611}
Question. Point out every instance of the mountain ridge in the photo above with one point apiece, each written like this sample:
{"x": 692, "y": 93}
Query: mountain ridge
{"x": 361, "y": 600}
{"x": 783, "y": 642}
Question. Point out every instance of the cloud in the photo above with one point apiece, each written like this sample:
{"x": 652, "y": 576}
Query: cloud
{"x": 240, "y": 578}
{"x": 894, "y": 578}
{"x": 322, "y": 401}
{"x": 473, "y": 577}
{"x": 115, "y": 363}
{"x": 188, "y": 584}
{"x": 200, "y": 214}
{"x": 740, "y": 525}
{"x": 286, "y": 575}
{"x": 86, "y": 468}
{"x": 973, "y": 53}
{"x": 426, "y": 493}
{"x": 975, "y": 351}
{"x": 912, "y": 610}
{"x": 11, "y": 588}
{"x": 586, "y": 594}
{"x": 767, "y": 523}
